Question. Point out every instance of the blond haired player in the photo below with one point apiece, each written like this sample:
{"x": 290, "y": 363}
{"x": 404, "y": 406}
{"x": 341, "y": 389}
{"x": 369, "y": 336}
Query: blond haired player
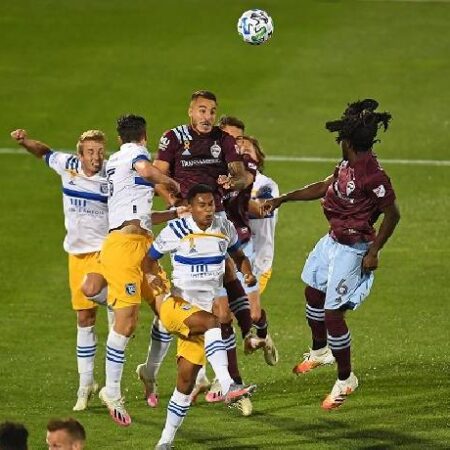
{"x": 198, "y": 245}
{"x": 86, "y": 220}
{"x": 130, "y": 176}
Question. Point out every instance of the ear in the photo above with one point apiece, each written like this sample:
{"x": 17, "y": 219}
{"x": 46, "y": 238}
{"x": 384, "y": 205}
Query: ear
{"x": 119, "y": 140}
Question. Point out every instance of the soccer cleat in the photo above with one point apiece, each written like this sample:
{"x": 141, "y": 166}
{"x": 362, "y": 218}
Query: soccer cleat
{"x": 238, "y": 391}
{"x": 313, "y": 359}
{"x": 201, "y": 386}
{"x": 215, "y": 393}
{"x": 253, "y": 343}
{"x": 340, "y": 391}
{"x": 116, "y": 408}
{"x": 150, "y": 386}
{"x": 84, "y": 394}
{"x": 244, "y": 405}
{"x": 164, "y": 447}
{"x": 270, "y": 351}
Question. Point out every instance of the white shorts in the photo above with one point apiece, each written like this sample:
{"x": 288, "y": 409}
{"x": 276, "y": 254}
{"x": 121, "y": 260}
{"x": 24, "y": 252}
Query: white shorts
{"x": 336, "y": 270}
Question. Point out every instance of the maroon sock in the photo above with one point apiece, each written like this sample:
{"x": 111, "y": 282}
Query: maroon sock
{"x": 239, "y": 305}
{"x": 315, "y": 315}
{"x": 339, "y": 340}
{"x": 261, "y": 325}
{"x": 229, "y": 338}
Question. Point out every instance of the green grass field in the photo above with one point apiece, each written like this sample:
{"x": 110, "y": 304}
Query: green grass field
{"x": 71, "y": 65}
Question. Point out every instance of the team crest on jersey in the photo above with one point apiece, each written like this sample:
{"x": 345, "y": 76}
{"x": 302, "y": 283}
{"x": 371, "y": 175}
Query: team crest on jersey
{"x": 350, "y": 187}
{"x": 222, "y": 246}
{"x": 163, "y": 143}
{"x": 130, "y": 288}
{"x": 104, "y": 188}
{"x": 380, "y": 191}
{"x": 215, "y": 150}
{"x": 186, "y": 151}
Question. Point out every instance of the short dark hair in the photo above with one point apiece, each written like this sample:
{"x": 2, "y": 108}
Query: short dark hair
{"x": 198, "y": 189}
{"x": 131, "y": 128}
{"x": 13, "y": 436}
{"x": 203, "y": 94}
{"x": 72, "y": 426}
{"x": 359, "y": 124}
{"x": 231, "y": 121}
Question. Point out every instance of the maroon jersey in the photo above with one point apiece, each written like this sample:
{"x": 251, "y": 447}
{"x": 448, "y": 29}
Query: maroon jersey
{"x": 355, "y": 199}
{"x": 198, "y": 158}
{"x": 236, "y": 203}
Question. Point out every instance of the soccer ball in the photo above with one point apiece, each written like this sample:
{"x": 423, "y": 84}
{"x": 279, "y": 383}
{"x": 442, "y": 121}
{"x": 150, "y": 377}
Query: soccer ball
{"x": 255, "y": 26}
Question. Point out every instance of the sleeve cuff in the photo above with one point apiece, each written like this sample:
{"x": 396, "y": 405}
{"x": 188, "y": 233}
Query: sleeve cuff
{"x": 235, "y": 246}
{"x": 154, "y": 254}
{"x": 46, "y": 157}
{"x": 139, "y": 158}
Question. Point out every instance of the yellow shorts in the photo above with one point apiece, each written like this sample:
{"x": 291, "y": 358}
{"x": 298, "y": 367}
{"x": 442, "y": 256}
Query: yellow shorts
{"x": 121, "y": 258}
{"x": 174, "y": 311}
{"x": 79, "y": 267}
{"x": 263, "y": 280}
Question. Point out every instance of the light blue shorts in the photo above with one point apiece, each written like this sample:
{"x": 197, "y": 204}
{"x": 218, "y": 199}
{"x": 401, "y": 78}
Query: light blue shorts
{"x": 336, "y": 270}
{"x": 249, "y": 252}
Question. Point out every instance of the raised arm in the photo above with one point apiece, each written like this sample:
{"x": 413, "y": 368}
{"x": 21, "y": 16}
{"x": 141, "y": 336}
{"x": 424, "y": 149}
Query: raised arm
{"x": 312, "y": 191}
{"x": 36, "y": 148}
{"x": 391, "y": 217}
{"x": 152, "y": 174}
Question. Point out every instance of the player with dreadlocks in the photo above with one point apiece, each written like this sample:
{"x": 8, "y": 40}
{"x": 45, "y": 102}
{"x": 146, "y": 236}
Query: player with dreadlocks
{"x": 339, "y": 271}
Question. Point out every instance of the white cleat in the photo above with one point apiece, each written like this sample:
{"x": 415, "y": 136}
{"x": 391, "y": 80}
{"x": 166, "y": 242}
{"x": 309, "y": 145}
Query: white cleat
{"x": 164, "y": 447}
{"x": 244, "y": 405}
{"x": 84, "y": 394}
{"x": 150, "y": 386}
{"x": 340, "y": 391}
{"x": 270, "y": 351}
{"x": 314, "y": 359}
{"x": 116, "y": 409}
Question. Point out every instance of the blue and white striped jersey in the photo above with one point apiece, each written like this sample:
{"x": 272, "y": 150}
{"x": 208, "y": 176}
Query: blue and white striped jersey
{"x": 198, "y": 257}
{"x": 130, "y": 196}
{"x": 85, "y": 203}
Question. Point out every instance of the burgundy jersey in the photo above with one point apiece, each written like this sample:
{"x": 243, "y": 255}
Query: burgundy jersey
{"x": 236, "y": 203}
{"x": 198, "y": 158}
{"x": 354, "y": 201}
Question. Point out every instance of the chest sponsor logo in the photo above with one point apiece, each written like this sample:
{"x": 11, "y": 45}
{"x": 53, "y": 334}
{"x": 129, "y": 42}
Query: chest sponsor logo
{"x": 130, "y": 288}
{"x": 163, "y": 143}
{"x": 380, "y": 191}
{"x": 215, "y": 150}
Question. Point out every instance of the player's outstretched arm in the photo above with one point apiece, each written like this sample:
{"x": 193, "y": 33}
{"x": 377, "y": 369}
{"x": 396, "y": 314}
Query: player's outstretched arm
{"x": 391, "y": 217}
{"x": 171, "y": 214}
{"x": 312, "y": 191}
{"x": 244, "y": 266}
{"x": 36, "y": 148}
{"x": 154, "y": 175}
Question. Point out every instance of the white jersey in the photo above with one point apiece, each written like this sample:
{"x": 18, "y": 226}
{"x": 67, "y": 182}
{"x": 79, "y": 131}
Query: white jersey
{"x": 263, "y": 230}
{"x": 198, "y": 257}
{"x": 130, "y": 196}
{"x": 85, "y": 203}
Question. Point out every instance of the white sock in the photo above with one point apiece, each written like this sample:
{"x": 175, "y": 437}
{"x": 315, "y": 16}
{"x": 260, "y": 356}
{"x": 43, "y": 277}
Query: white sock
{"x": 101, "y": 297}
{"x": 176, "y": 411}
{"x": 201, "y": 375}
{"x": 86, "y": 348}
{"x": 115, "y": 358}
{"x": 216, "y": 354}
{"x": 159, "y": 345}
{"x": 110, "y": 315}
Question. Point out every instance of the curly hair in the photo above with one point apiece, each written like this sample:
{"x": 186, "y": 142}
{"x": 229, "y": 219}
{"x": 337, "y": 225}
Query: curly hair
{"x": 359, "y": 124}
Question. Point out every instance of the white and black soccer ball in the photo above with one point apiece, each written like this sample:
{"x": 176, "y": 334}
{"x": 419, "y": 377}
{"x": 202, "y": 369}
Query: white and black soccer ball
{"x": 255, "y": 26}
